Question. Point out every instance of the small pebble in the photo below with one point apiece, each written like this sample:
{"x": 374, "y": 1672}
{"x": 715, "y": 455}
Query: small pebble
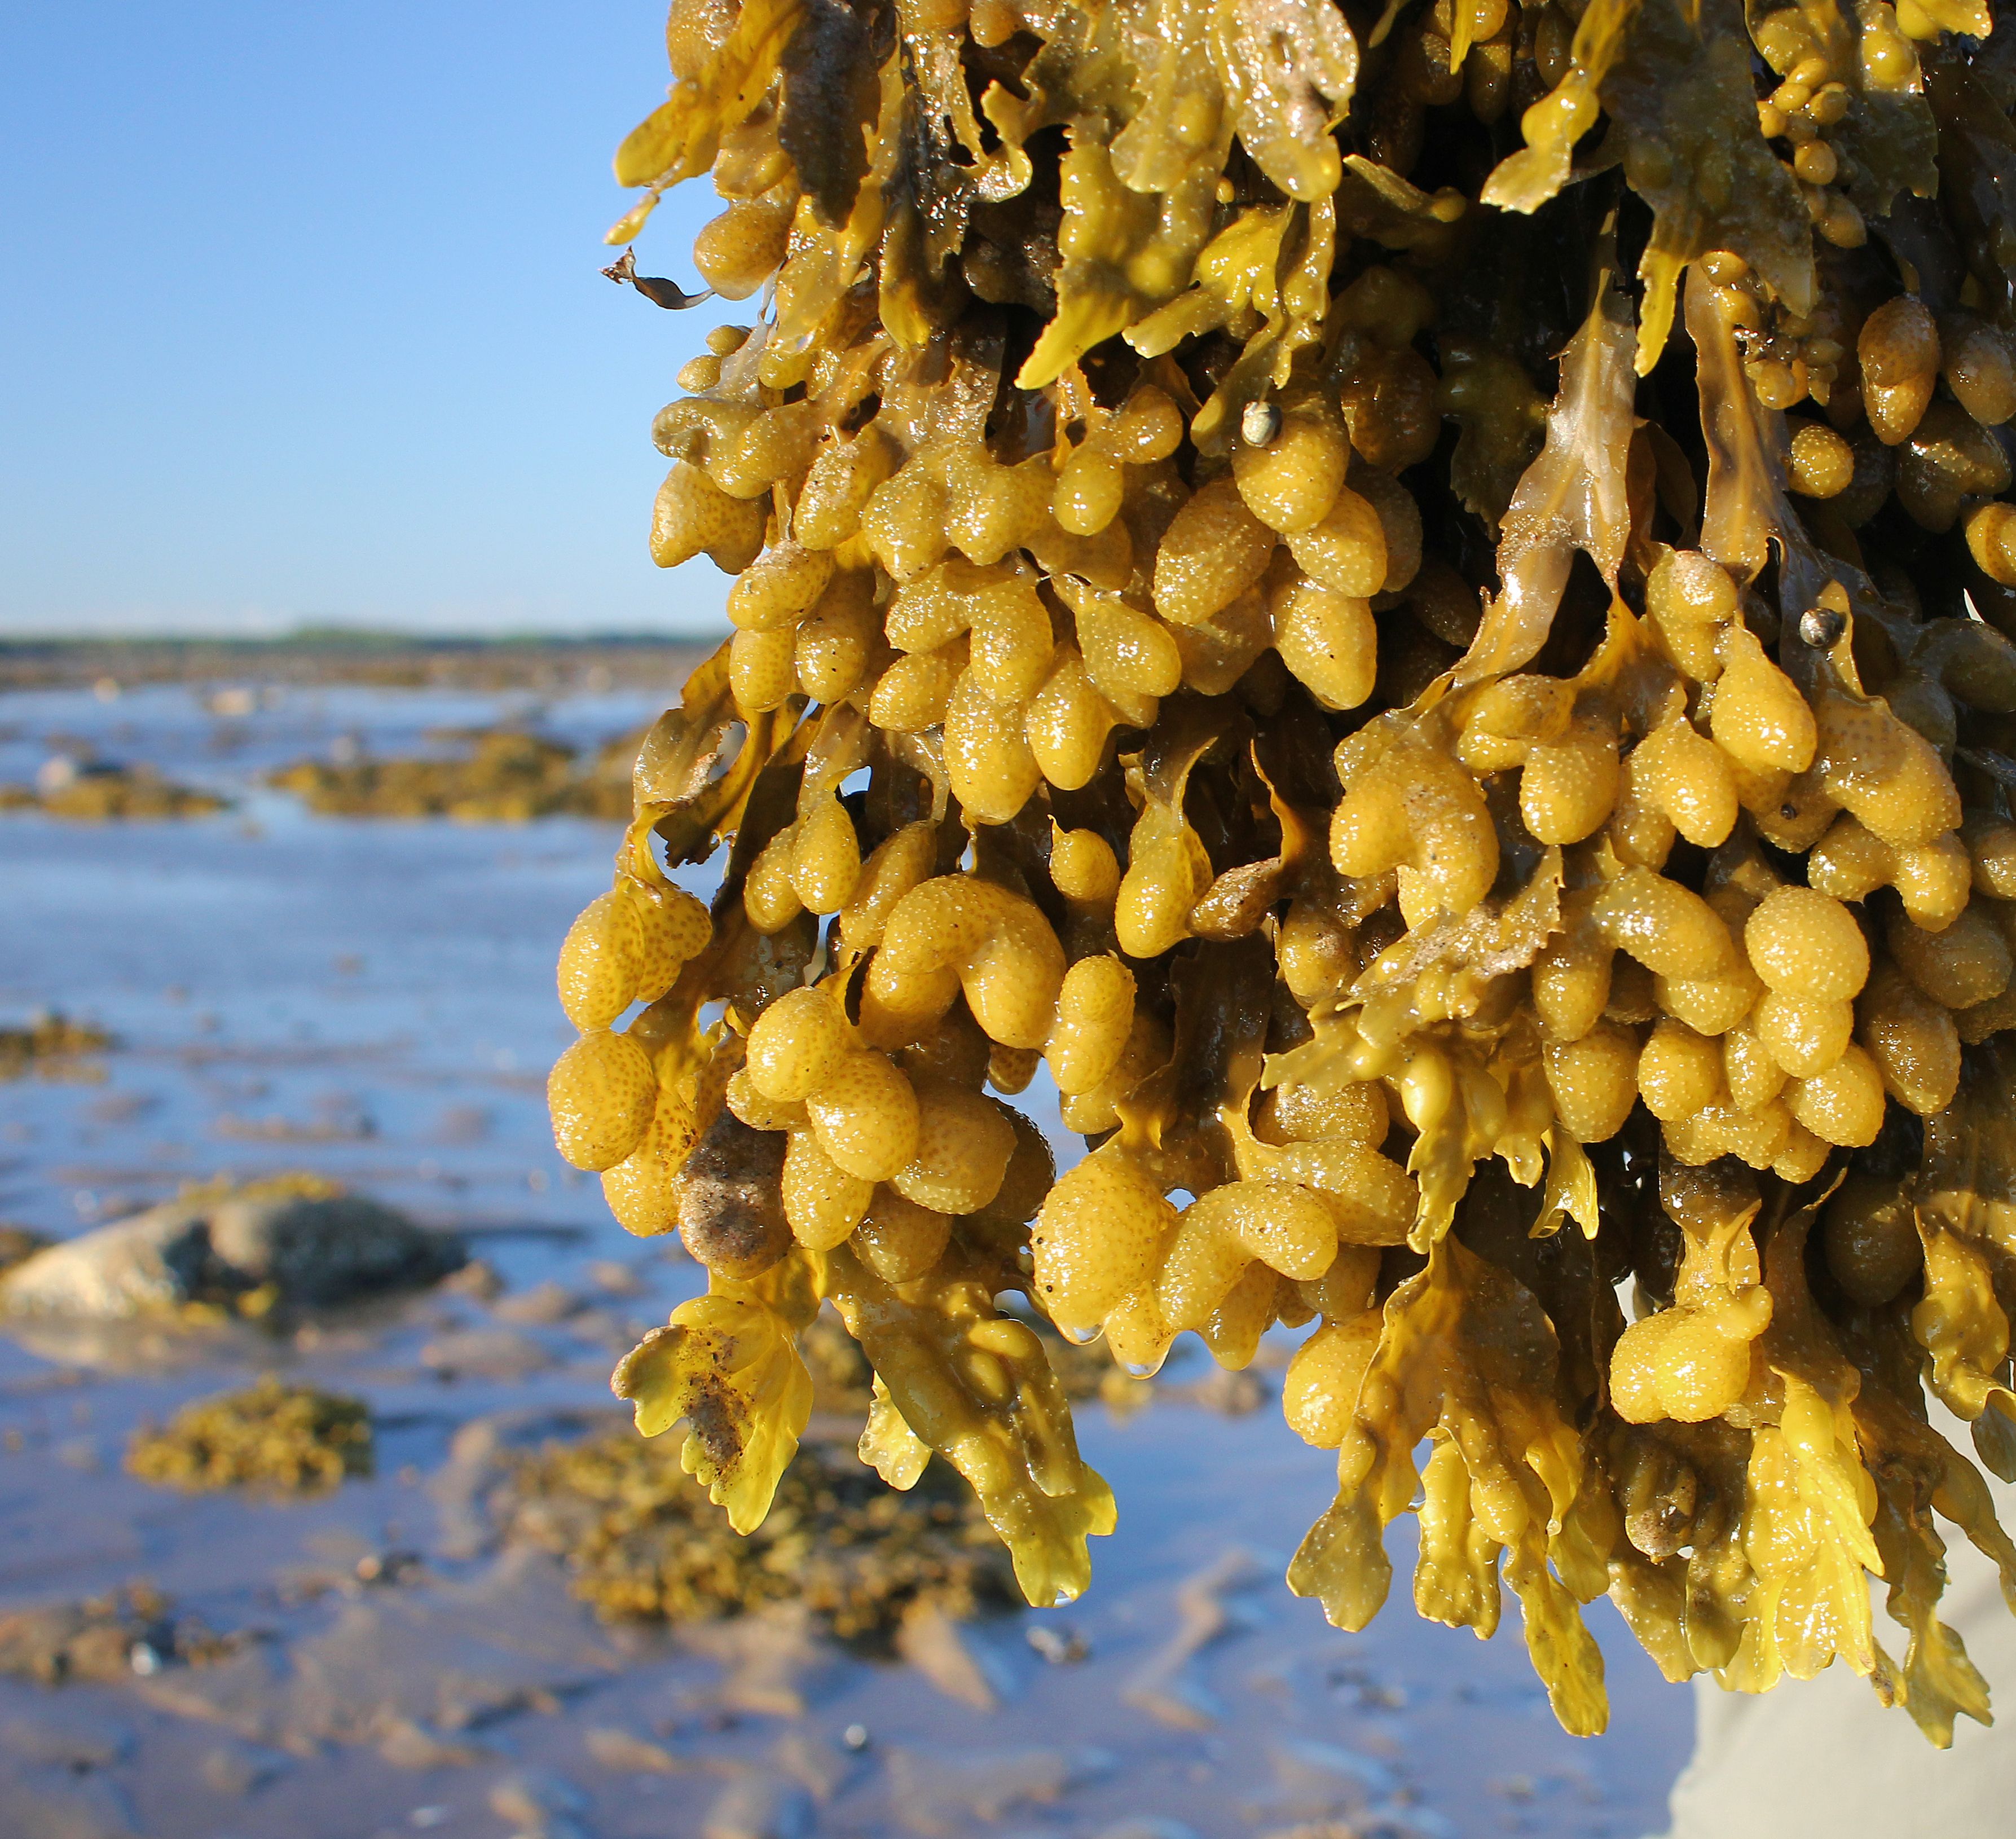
{"x": 393, "y": 1566}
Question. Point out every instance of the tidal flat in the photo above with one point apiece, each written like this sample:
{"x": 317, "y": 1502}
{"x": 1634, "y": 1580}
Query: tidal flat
{"x": 370, "y": 1001}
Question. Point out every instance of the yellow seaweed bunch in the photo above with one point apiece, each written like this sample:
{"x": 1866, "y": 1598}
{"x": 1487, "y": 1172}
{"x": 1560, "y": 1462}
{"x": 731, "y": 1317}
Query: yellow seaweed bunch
{"x": 1410, "y": 612}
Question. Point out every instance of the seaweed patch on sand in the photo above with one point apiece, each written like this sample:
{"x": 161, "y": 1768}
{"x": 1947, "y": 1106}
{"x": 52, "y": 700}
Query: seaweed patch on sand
{"x": 504, "y": 776}
{"x": 50, "y": 1046}
{"x": 644, "y": 1544}
{"x": 282, "y": 1438}
{"x": 102, "y": 792}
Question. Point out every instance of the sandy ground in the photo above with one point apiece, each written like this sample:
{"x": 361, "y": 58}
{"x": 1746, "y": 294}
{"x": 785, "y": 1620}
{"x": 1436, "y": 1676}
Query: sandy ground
{"x": 373, "y": 1002}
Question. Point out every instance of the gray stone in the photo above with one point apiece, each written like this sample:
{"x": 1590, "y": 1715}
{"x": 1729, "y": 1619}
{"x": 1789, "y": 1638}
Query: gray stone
{"x": 316, "y": 1249}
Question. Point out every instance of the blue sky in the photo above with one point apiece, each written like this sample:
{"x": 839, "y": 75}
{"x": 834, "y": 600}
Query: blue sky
{"x": 300, "y": 318}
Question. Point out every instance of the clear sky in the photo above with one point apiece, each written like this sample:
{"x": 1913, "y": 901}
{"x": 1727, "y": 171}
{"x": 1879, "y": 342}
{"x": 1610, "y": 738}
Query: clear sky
{"x": 300, "y": 318}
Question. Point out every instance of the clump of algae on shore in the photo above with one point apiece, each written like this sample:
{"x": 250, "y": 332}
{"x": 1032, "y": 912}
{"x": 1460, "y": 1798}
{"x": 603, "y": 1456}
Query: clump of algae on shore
{"x": 282, "y": 1438}
{"x": 506, "y": 776}
{"x": 49, "y": 1044}
{"x": 105, "y": 794}
{"x": 644, "y": 1544}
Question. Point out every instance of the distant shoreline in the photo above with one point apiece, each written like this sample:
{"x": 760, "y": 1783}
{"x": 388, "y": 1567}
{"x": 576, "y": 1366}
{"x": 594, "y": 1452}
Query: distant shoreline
{"x": 559, "y": 664}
